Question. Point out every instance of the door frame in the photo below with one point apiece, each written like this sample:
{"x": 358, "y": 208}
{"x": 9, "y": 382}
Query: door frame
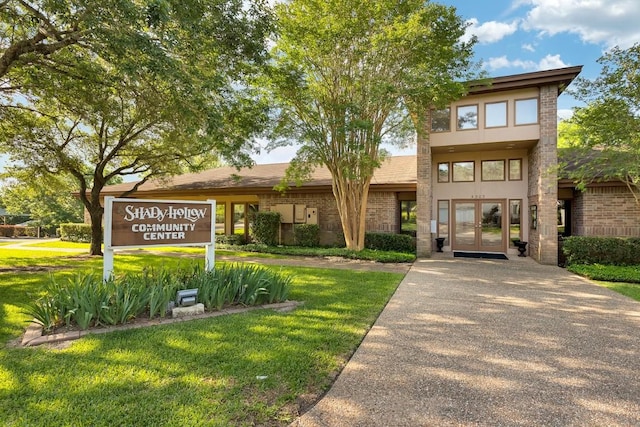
{"x": 477, "y": 246}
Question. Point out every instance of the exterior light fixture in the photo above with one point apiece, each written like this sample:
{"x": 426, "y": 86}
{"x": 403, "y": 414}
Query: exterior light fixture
{"x": 186, "y": 297}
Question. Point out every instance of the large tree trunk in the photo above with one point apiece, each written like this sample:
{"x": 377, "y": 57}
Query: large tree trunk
{"x": 96, "y": 213}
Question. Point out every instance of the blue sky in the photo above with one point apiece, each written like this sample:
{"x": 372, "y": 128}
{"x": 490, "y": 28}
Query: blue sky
{"x": 520, "y": 36}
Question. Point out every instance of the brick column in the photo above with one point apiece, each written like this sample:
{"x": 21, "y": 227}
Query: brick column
{"x": 423, "y": 191}
{"x": 543, "y": 180}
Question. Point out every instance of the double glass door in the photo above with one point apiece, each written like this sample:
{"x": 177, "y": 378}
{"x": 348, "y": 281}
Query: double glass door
{"x": 479, "y": 225}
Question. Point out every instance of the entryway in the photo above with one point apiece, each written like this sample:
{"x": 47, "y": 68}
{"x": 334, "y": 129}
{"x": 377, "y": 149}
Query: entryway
{"x": 479, "y": 225}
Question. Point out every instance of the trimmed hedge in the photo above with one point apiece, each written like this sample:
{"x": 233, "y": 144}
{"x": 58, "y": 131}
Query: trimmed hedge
{"x": 230, "y": 239}
{"x": 390, "y": 242}
{"x": 18, "y": 231}
{"x": 264, "y": 228}
{"x": 602, "y": 250}
{"x": 75, "y": 232}
{"x": 307, "y": 235}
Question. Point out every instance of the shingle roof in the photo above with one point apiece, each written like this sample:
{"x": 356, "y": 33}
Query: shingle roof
{"x": 398, "y": 170}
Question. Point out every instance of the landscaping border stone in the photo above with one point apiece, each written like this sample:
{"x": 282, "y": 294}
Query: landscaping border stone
{"x": 33, "y": 336}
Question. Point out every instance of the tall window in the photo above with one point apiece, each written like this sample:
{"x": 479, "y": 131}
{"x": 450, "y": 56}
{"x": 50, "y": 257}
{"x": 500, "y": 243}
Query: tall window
{"x": 443, "y": 172}
{"x": 515, "y": 169}
{"x": 441, "y": 120}
{"x": 220, "y": 208}
{"x": 515, "y": 220}
{"x": 495, "y": 114}
{"x": 443, "y": 219}
{"x": 408, "y": 217}
{"x": 526, "y": 111}
{"x": 238, "y": 218}
{"x": 468, "y": 117}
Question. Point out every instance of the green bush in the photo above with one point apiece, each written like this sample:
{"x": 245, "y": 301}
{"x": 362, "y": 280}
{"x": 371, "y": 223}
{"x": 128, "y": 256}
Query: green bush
{"x": 230, "y": 239}
{"x": 7, "y": 230}
{"x": 18, "y": 231}
{"x": 86, "y": 300}
{"x": 608, "y": 273}
{"x": 390, "y": 242}
{"x": 307, "y": 235}
{"x": 75, "y": 232}
{"x": 601, "y": 250}
{"x": 264, "y": 228}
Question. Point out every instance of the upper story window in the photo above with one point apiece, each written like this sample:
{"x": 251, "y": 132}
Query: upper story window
{"x": 526, "y": 111}
{"x": 495, "y": 114}
{"x": 443, "y": 172}
{"x": 463, "y": 171}
{"x": 468, "y": 117}
{"x": 441, "y": 120}
{"x": 492, "y": 170}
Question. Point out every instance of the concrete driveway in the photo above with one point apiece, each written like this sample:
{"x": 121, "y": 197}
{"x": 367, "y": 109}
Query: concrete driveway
{"x": 466, "y": 342}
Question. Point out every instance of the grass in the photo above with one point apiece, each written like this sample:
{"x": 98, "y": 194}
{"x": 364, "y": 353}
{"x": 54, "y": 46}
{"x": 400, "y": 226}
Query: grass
{"x": 200, "y": 373}
{"x": 631, "y": 290}
{"x": 622, "y": 279}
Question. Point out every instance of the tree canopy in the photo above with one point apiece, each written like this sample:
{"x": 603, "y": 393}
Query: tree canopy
{"x": 48, "y": 200}
{"x": 148, "y": 88}
{"x": 348, "y": 75}
{"x": 604, "y": 135}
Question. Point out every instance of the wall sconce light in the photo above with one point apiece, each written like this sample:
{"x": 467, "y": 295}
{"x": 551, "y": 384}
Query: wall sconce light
{"x": 186, "y": 297}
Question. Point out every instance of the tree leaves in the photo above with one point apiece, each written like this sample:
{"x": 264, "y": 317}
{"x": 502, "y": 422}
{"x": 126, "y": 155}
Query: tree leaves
{"x": 606, "y": 132}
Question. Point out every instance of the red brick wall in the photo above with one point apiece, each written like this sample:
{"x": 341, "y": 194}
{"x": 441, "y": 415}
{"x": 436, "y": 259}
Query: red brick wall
{"x": 605, "y": 211}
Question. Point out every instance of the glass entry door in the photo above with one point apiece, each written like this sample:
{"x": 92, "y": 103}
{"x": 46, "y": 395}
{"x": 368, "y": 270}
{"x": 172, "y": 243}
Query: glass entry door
{"x": 479, "y": 225}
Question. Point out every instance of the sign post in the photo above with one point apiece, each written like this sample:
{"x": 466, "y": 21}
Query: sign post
{"x": 140, "y": 222}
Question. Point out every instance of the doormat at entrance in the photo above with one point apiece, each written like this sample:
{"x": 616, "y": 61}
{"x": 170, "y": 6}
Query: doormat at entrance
{"x": 486, "y": 255}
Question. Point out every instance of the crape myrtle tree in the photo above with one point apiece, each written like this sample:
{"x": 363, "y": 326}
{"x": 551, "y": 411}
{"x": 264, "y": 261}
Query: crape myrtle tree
{"x": 145, "y": 97}
{"x": 604, "y": 135}
{"x": 348, "y": 75}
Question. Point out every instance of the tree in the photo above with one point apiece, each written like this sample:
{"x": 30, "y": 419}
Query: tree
{"x": 47, "y": 199}
{"x": 349, "y": 75}
{"x": 605, "y": 134}
{"x": 143, "y": 101}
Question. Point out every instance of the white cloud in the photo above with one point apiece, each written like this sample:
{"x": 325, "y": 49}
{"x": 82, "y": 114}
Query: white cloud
{"x": 601, "y": 22}
{"x": 564, "y": 114}
{"x": 489, "y": 32}
{"x": 529, "y": 47}
{"x": 549, "y": 62}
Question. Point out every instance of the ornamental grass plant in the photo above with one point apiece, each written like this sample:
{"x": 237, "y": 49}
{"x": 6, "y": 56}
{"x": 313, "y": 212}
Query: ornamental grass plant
{"x": 85, "y": 300}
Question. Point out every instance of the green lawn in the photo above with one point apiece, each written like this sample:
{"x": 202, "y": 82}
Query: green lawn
{"x": 622, "y": 279}
{"x": 204, "y": 372}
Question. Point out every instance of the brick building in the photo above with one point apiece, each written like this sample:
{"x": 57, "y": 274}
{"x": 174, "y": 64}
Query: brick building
{"x": 484, "y": 175}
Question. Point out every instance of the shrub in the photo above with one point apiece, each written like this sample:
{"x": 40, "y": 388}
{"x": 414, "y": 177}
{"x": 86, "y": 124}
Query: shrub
{"x": 601, "y": 250}
{"x": 264, "y": 228}
{"x": 390, "y": 242}
{"x": 608, "y": 273}
{"x": 230, "y": 239}
{"x": 7, "y": 230}
{"x": 307, "y": 235}
{"x": 75, "y": 232}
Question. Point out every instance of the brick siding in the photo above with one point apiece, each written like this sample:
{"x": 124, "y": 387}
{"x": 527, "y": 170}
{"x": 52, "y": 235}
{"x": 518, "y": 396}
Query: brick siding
{"x": 543, "y": 181}
{"x": 424, "y": 194}
{"x": 383, "y": 213}
{"x": 605, "y": 211}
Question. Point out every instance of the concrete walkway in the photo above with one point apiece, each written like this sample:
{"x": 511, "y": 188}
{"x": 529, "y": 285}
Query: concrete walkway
{"x": 492, "y": 343}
